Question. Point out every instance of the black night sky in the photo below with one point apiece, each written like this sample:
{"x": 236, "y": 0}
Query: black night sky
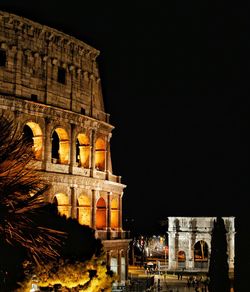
{"x": 175, "y": 81}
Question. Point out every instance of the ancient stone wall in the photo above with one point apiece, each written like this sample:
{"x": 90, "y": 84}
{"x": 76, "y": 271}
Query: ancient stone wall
{"x": 50, "y": 87}
{"x": 189, "y": 240}
{"x": 48, "y": 66}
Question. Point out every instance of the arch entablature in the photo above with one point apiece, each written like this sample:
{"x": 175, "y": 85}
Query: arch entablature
{"x": 56, "y": 189}
{"x": 63, "y": 203}
{"x": 83, "y": 192}
{"x": 103, "y": 195}
{"x": 203, "y": 237}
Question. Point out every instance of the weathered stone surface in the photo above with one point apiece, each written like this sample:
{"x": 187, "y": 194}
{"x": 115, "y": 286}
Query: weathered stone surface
{"x": 184, "y": 233}
{"x": 50, "y": 86}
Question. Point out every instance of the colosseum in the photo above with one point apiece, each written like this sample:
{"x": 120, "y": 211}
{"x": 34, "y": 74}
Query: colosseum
{"x": 50, "y": 85}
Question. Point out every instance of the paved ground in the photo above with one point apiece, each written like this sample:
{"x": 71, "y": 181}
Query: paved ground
{"x": 167, "y": 283}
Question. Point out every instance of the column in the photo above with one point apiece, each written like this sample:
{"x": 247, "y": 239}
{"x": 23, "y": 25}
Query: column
{"x": 120, "y": 212}
{"x": 106, "y": 154}
{"x": 108, "y": 257}
{"x": 93, "y": 209}
{"x": 190, "y": 262}
{"x": 171, "y": 251}
{"x": 107, "y": 166}
{"x": 231, "y": 250}
{"x": 73, "y": 203}
{"x": 119, "y": 252}
{"x": 127, "y": 261}
{"x": 47, "y": 144}
{"x": 92, "y": 164}
{"x": 108, "y": 212}
{"x": 72, "y": 161}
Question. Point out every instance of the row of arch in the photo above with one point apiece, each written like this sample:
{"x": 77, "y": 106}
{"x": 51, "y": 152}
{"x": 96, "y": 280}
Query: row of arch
{"x": 200, "y": 255}
{"x": 60, "y": 146}
{"x": 84, "y": 210}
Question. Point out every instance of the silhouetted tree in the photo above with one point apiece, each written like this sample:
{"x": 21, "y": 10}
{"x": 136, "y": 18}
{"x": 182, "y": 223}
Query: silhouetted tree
{"x": 81, "y": 259}
{"x": 34, "y": 238}
{"x": 218, "y": 268}
{"x": 21, "y": 194}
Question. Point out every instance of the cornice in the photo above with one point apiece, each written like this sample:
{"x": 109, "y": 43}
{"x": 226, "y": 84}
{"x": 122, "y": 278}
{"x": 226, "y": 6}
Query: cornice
{"x": 86, "y": 182}
{"x": 52, "y": 113}
{"x": 24, "y": 26}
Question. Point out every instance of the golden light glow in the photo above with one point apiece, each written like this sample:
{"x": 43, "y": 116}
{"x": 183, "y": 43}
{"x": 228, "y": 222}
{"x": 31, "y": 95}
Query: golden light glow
{"x": 84, "y": 150}
{"x": 84, "y": 210}
{"x": 72, "y": 275}
{"x": 100, "y": 148}
{"x": 63, "y": 145}
{"x": 62, "y": 202}
{"x": 114, "y": 213}
{"x": 37, "y": 139}
{"x": 100, "y": 214}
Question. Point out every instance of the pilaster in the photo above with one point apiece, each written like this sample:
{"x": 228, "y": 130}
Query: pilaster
{"x": 93, "y": 209}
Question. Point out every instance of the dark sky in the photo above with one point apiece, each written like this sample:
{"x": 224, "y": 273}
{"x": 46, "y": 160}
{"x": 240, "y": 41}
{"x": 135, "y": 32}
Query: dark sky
{"x": 176, "y": 83}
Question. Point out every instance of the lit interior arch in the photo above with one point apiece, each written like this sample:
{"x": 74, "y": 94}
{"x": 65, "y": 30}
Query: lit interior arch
{"x": 100, "y": 150}
{"x": 60, "y": 146}
{"x": 181, "y": 257}
{"x": 62, "y": 202}
{"x": 33, "y": 133}
{"x": 114, "y": 213}
{"x": 201, "y": 254}
{"x": 82, "y": 150}
{"x": 100, "y": 214}
{"x": 201, "y": 251}
{"x": 84, "y": 210}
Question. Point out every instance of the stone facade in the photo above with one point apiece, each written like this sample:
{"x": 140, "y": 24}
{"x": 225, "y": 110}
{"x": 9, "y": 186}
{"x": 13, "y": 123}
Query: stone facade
{"x": 50, "y": 86}
{"x": 189, "y": 240}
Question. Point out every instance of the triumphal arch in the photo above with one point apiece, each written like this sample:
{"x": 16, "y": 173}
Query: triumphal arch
{"x": 189, "y": 240}
{"x": 50, "y": 85}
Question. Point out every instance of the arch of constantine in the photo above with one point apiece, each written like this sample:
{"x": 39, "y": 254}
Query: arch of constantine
{"x": 189, "y": 240}
{"x": 50, "y": 86}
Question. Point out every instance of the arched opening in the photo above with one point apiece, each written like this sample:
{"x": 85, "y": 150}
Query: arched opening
{"x": 123, "y": 266}
{"x": 114, "y": 213}
{"x": 82, "y": 150}
{"x": 100, "y": 150}
{"x": 84, "y": 210}
{"x": 201, "y": 255}
{"x": 60, "y": 146}
{"x": 62, "y": 202}
{"x": 100, "y": 214}
{"x": 33, "y": 134}
{"x": 181, "y": 256}
{"x": 114, "y": 264}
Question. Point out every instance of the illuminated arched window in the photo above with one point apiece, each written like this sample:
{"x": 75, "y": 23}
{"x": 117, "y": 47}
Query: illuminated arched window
{"x": 82, "y": 150}
{"x": 33, "y": 134}
{"x": 201, "y": 254}
{"x": 84, "y": 210}
{"x": 181, "y": 259}
{"x": 62, "y": 202}
{"x": 100, "y": 214}
{"x": 114, "y": 213}
{"x": 100, "y": 150}
{"x": 60, "y": 146}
